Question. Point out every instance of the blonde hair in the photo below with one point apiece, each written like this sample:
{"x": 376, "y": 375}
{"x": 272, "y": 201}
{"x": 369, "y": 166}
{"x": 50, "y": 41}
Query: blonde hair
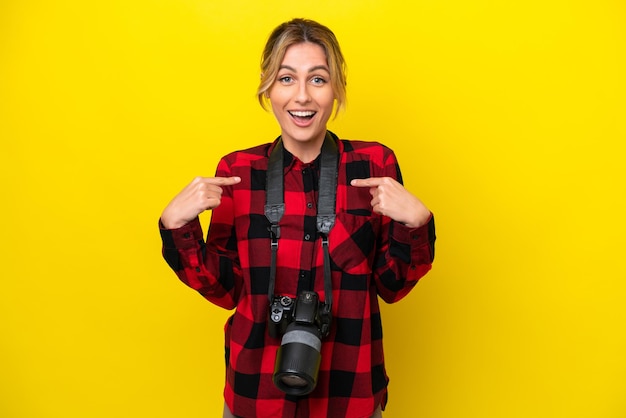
{"x": 294, "y": 32}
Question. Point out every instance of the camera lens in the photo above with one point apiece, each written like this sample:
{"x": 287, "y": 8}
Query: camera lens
{"x": 298, "y": 360}
{"x": 292, "y": 380}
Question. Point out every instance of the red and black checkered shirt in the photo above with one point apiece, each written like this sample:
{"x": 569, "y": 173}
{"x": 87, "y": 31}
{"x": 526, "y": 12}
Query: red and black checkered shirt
{"x": 371, "y": 257}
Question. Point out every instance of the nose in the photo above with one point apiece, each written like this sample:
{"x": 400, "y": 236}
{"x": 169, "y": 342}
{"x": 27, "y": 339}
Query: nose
{"x": 303, "y": 95}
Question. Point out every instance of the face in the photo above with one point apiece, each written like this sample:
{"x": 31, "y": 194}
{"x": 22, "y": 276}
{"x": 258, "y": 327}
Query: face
{"x": 302, "y": 99}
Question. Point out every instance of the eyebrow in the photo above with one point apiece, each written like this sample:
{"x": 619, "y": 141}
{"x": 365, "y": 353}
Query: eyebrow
{"x": 312, "y": 69}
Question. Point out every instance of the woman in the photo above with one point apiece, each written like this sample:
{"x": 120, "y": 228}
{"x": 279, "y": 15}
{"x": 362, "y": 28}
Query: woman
{"x": 377, "y": 242}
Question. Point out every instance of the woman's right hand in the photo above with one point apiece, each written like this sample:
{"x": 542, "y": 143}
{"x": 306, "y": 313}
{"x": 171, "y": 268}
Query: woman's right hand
{"x": 203, "y": 193}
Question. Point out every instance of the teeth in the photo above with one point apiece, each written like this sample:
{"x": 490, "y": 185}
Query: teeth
{"x": 302, "y": 114}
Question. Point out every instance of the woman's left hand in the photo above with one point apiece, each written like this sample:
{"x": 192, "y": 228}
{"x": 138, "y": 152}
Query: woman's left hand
{"x": 391, "y": 199}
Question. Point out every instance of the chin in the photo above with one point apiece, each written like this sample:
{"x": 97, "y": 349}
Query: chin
{"x": 307, "y": 135}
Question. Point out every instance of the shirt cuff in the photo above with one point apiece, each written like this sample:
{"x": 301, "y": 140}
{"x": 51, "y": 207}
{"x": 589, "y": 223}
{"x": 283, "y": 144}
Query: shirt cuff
{"x": 186, "y": 236}
{"x": 414, "y": 236}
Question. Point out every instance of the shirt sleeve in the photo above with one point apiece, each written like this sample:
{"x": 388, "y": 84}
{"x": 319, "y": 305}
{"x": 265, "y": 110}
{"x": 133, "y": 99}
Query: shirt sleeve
{"x": 213, "y": 270}
{"x": 405, "y": 254}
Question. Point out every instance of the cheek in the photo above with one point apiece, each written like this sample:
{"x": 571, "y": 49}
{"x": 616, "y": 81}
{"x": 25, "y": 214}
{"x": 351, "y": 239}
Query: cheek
{"x": 277, "y": 105}
{"x": 327, "y": 100}
{"x": 329, "y": 95}
{"x": 276, "y": 96}
{"x": 278, "y": 109}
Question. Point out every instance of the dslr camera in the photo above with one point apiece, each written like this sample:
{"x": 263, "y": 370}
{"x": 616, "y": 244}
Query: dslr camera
{"x": 302, "y": 322}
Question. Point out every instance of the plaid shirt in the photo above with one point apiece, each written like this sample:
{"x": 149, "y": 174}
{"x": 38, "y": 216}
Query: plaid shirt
{"x": 371, "y": 256}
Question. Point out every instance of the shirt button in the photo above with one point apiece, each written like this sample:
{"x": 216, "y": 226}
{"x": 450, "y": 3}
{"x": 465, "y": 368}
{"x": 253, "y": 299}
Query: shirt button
{"x": 309, "y": 205}
{"x": 186, "y": 235}
{"x": 307, "y": 237}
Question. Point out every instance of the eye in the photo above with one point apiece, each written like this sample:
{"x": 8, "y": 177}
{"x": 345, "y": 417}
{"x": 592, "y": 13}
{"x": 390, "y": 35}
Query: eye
{"x": 318, "y": 81}
{"x": 286, "y": 79}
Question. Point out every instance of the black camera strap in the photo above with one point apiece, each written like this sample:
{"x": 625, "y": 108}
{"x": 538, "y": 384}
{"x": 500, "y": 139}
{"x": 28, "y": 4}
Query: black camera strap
{"x": 327, "y": 193}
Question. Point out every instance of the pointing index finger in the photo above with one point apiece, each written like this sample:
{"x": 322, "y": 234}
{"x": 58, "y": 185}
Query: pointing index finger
{"x": 368, "y": 182}
{"x": 225, "y": 181}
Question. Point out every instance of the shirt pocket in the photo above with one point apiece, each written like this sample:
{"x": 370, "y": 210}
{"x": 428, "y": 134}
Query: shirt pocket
{"x": 352, "y": 243}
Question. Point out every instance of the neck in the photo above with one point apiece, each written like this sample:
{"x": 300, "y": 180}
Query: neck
{"x": 305, "y": 151}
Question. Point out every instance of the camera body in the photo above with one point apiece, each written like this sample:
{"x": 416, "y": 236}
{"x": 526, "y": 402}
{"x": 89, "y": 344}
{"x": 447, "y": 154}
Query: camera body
{"x": 302, "y": 322}
{"x": 306, "y": 309}
{"x": 280, "y": 315}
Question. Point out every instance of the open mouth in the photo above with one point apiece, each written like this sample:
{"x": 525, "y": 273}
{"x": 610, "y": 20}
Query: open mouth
{"x": 302, "y": 116}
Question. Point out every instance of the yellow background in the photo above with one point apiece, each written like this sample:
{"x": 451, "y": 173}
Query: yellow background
{"x": 509, "y": 122}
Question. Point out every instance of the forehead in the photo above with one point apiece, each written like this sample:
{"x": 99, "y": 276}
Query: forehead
{"x": 304, "y": 54}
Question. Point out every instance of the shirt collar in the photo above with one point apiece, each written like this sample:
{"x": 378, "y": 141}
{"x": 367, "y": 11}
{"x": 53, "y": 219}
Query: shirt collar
{"x": 290, "y": 162}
